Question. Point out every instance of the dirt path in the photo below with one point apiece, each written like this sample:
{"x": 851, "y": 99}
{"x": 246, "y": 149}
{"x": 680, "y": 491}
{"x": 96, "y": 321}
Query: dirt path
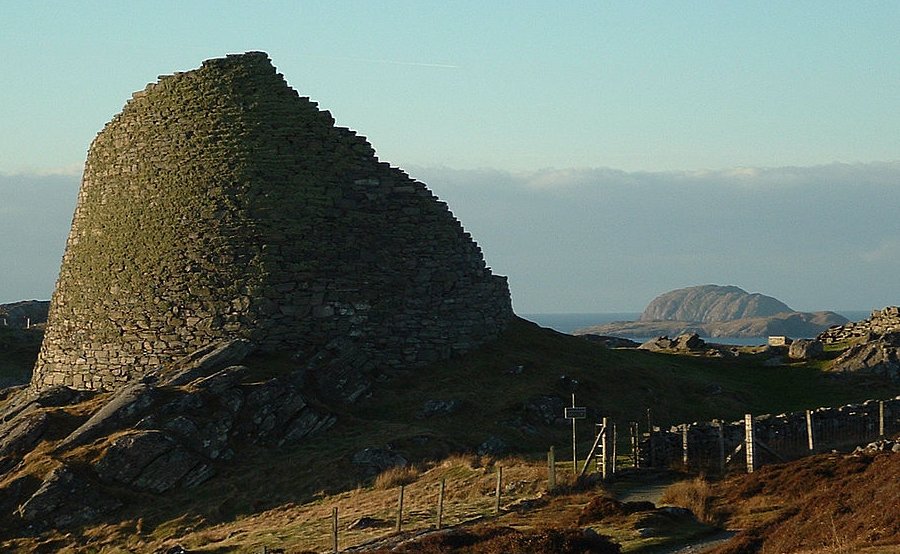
{"x": 643, "y": 493}
{"x": 652, "y": 491}
{"x": 700, "y": 545}
{"x": 643, "y": 486}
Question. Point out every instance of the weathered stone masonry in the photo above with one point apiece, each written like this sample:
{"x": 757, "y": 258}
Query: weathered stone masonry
{"x": 220, "y": 204}
{"x": 786, "y": 434}
{"x": 879, "y": 323}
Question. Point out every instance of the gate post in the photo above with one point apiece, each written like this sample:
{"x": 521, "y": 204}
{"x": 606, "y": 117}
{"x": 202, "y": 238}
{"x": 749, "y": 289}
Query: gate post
{"x": 748, "y": 441}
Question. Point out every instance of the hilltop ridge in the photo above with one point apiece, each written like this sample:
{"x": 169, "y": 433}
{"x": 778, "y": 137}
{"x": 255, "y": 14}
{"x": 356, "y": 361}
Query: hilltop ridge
{"x": 719, "y": 311}
{"x": 712, "y": 304}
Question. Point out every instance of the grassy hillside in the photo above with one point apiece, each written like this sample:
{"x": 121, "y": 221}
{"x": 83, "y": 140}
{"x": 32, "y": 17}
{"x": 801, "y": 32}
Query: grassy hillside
{"x": 280, "y": 497}
{"x": 824, "y": 503}
{"x": 18, "y": 351}
{"x": 620, "y": 384}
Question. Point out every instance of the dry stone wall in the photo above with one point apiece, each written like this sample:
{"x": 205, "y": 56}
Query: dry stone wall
{"x": 220, "y": 204}
{"x": 879, "y": 323}
{"x": 785, "y": 434}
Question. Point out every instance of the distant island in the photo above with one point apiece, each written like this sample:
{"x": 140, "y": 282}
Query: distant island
{"x": 718, "y": 311}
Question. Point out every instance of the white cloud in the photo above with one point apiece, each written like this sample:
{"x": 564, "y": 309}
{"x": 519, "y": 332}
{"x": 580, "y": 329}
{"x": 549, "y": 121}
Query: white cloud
{"x": 69, "y": 170}
{"x": 600, "y": 239}
{"x": 577, "y": 239}
{"x": 754, "y": 178}
{"x": 887, "y": 250}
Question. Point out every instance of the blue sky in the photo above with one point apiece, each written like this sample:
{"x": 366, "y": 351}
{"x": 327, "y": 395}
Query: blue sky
{"x": 513, "y": 94}
{"x": 516, "y": 85}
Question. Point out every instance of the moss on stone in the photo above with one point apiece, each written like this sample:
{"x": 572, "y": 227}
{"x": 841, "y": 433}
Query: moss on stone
{"x": 219, "y": 203}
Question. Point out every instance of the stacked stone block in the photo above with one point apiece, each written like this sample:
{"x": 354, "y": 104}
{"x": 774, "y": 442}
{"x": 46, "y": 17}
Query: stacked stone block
{"x": 879, "y": 323}
{"x": 220, "y": 204}
{"x": 786, "y": 434}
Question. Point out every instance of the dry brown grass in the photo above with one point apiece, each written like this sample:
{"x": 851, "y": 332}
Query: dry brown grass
{"x": 396, "y": 476}
{"x": 467, "y": 460}
{"x": 469, "y": 494}
{"x": 506, "y": 540}
{"x": 697, "y": 496}
{"x": 832, "y": 504}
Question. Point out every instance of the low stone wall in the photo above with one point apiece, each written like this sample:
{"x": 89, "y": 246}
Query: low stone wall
{"x": 879, "y": 323}
{"x": 783, "y": 434}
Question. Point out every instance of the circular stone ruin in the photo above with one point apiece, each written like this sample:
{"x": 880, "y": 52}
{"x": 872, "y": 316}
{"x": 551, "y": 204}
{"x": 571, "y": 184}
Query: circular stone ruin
{"x": 220, "y": 204}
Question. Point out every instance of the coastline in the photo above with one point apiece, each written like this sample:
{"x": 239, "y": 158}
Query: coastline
{"x": 569, "y": 322}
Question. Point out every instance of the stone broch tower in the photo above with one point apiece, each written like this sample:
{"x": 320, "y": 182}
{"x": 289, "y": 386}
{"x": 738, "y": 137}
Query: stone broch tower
{"x": 220, "y": 204}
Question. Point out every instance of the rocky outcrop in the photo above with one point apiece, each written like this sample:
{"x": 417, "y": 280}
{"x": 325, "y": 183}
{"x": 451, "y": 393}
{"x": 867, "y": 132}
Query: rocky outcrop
{"x": 879, "y": 355}
{"x": 439, "y": 408}
{"x": 879, "y": 323}
{"x": 66, "y": 498}
{"x": 220, "y": 205}
{"x": 806, "y": 349}
{"x": 373, "y": 461}
{"x": 711, "y": 303}
{"x": 151, "y": 461}
{"x": 149, "y": 437}
{"x": 688, "y": 342}
{"x": 717, "y": 311}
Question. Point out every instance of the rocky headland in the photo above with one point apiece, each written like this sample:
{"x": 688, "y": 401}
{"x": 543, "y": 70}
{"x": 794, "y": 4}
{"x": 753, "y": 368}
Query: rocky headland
{"x": 719, "y": 311}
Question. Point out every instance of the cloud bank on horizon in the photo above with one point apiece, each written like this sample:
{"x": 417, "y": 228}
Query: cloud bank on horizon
{"x": 602, "y": 240}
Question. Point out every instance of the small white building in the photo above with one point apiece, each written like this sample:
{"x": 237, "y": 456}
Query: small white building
{"x": 780, "y": 340}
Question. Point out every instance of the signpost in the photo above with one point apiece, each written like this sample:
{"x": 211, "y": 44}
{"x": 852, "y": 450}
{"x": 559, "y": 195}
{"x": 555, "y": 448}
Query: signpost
{"x": 573, "y": 413}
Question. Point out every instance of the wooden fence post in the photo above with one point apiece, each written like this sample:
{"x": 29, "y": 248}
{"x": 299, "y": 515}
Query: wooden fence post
{"x": 684, "y": 445}
{"x": 720, "y": 432}
{"x": 499, "y": 484}
{"x": 574, "y": 451}
{"x": 604, "y": 452}
{"x": 334, "y": 529}
{"x": 881, "y": 419}
{"x": 440, "y": 514}
{"x": 748, "y": 441}
{"x": 615, "y": 439}
{"x": 809, "y": 431}
{"x": 399, "y": 526}
{"x": 551, "y": 469}
{"x": 635, "y": 444}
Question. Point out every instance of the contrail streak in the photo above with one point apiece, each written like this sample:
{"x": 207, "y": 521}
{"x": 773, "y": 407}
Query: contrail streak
{"x": 391, "y": 62}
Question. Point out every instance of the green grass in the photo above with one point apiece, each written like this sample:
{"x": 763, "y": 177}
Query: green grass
{"x": 620, "y": 384}
{"x": 18, "y": 351}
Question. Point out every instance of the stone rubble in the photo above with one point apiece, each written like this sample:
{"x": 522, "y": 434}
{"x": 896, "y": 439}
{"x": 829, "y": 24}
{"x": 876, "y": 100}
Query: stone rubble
{"x": 880, "y": 322}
